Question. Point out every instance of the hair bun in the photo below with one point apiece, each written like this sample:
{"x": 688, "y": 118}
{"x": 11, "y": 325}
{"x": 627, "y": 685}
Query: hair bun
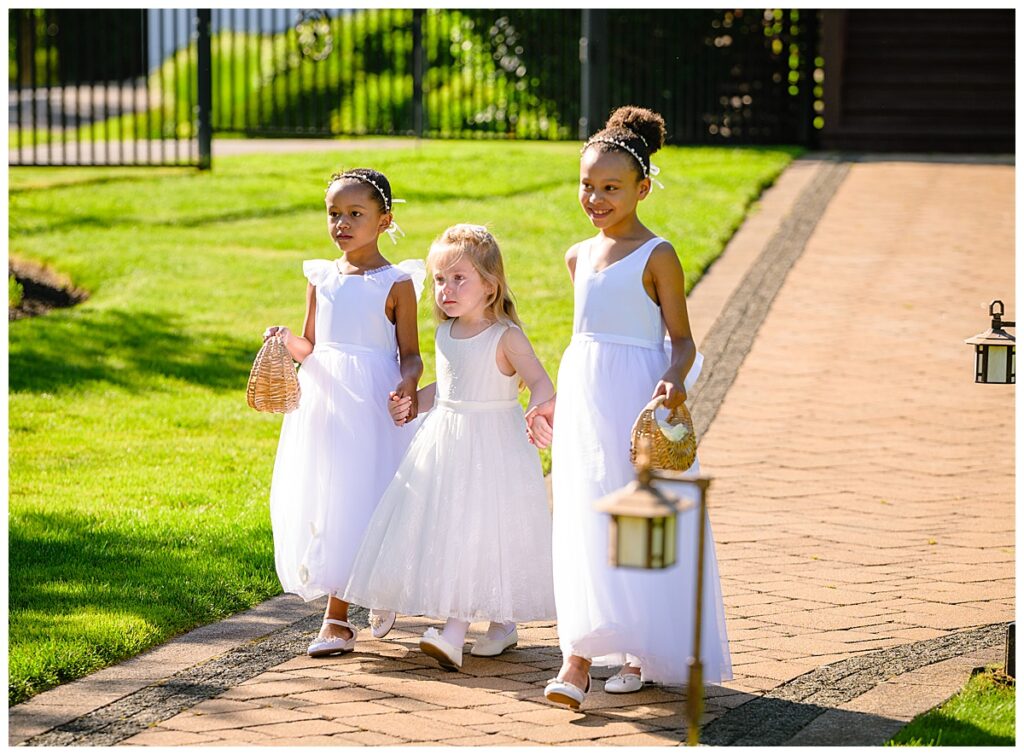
{"x": 643, "y": 122}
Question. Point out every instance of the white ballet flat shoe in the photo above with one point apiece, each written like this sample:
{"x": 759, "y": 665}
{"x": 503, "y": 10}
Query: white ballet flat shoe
{"x": 487, "y": 648}
{"x": 438, "y": 648}
{"x": 381, "y": 622}
{"x": 321, "y": 647}
{"x": 622, "y": 684}
{"x": 566, "y": 693}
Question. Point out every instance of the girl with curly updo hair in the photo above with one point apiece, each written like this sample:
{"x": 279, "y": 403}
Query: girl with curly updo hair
{"x": 631, "y": 342}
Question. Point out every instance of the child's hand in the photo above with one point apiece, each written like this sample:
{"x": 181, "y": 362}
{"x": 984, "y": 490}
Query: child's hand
{"x": 398, "y": 408}
{"x": 673, "y": 392}
{"x": 407, "y": 390}
{"x": 539, "y": 431}
{"x": 276, "y": 330}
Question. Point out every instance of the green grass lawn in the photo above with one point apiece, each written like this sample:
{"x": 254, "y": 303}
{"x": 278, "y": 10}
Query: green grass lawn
{"x": 138, "y": 477}
{"x": 982, "y": 714}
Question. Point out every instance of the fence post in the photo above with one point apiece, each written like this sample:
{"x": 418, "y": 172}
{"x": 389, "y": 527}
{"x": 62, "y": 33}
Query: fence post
{"x": 417, "y": 72}
{"x": 593, "y": 71}
{"x": 204, "y": 88}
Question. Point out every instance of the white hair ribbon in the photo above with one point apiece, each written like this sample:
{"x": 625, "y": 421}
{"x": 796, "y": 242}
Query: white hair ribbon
{"x": 393, "y": 230}
{"x": 655, "y": 170}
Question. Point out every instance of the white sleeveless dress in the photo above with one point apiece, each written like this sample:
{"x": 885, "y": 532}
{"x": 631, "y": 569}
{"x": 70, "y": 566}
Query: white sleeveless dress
{"x": 613, "y": 615}
{"x": 339, "y": 449}
{"x": 464, "y": 529}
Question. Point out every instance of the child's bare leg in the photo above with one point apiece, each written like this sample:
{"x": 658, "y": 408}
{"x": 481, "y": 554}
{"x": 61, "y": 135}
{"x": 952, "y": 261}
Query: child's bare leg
{"x": 336, "y": 609}
{"x": 575, "y": 670}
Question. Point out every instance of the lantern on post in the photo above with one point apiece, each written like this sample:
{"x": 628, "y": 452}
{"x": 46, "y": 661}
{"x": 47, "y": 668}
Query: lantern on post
{"x": 643, "y": 535}
{"x": 643, "y": 522}
{"x": 995, "y": 358}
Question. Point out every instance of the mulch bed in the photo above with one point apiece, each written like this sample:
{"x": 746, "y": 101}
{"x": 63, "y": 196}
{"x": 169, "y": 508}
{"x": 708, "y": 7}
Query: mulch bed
{"x": 44, "y": 290}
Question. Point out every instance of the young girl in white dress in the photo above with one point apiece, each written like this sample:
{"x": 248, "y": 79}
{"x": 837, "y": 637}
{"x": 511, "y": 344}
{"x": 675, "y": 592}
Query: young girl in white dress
{"x": 339, "y": 449}
{"x": 629, "y": 289}
{"x": 463, "y": 533}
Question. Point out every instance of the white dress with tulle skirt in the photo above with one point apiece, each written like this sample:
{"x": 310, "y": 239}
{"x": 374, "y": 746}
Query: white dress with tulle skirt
{"x": 611, "y": 615}
{"x": 339, "y": 449}
{"x": 464, "y": 530}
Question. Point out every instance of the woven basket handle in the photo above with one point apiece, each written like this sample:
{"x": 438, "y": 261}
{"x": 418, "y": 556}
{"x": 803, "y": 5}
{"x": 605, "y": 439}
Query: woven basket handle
{"x": 657, "y": 401}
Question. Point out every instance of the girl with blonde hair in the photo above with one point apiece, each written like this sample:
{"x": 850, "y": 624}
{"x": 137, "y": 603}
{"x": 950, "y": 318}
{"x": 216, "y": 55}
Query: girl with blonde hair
{"x": 463, "y": 531}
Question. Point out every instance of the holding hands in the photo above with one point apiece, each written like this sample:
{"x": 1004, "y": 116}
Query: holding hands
{"x": 399, "y": 407}
{"x": 540, "y": 421}
{"x": 405, "y": 393}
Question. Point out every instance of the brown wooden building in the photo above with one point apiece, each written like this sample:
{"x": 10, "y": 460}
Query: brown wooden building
{"x": 918, "y": 80}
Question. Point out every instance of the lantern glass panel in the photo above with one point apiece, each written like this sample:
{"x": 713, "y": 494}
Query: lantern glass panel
{"x": 632, "y": 546}
{"x": 996, "y": 364}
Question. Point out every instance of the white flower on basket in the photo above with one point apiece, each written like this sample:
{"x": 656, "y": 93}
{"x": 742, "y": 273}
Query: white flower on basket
{"x": 674, "y": 433}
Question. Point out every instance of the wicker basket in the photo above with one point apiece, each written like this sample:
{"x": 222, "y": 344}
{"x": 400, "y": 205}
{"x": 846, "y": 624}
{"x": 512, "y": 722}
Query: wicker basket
{"x": 677, "y": 455}
{"x": 273, "y": 384}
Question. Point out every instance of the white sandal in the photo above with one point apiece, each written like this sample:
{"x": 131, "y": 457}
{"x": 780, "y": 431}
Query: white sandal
{"x": 321, "y": 647}
{"x": 566, "y": 693}
{"x": 622, "y": 684}
{"x": 381, "y": 622}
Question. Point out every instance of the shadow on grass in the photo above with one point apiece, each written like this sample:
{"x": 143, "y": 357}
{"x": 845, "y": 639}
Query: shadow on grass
{"x": 85, "y": 592}
{"x": 92, "y": 179}
{"x": 65, "y": 350}
{"x": 257, "y": 212}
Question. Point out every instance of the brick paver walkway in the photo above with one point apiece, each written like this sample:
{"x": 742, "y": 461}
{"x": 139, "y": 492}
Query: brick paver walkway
{"x": 863, "y": 500}
{"x": 864, "y": 484}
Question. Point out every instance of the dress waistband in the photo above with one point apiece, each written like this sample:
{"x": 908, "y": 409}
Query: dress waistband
{"x": 354, "y": 348}
{"x": 477, "y": 406}
{"x": 624, "y": 340}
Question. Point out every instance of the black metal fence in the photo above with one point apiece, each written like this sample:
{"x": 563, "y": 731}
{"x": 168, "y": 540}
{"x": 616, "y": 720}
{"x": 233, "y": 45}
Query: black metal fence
{"x": 123, "y": 87}
{"x": 102, "y": 87}
{"x": 433, "y": 73}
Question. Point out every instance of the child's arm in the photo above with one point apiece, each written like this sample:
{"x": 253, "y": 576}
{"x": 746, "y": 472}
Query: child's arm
{"x": 299, "y": 346}
{"x": 570, "y": 261}
{"x": 516, "y": 355}
{"x": 410, "y": 362}
{"x": 669, "y": 287}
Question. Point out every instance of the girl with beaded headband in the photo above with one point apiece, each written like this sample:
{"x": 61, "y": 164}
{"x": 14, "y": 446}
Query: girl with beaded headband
{"x": 631, "y": 342}
{"x": 468, "y": 509}
{"x": 339, "y": 449}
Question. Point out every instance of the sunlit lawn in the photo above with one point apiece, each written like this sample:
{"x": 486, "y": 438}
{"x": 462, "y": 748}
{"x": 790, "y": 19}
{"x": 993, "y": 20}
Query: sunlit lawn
{"x": 138, "y": 476}
{"x": 983, "y": 713}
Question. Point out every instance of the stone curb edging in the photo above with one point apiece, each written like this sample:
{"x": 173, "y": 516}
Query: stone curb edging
{"x": 782, "y": 712}
{"x": 135, "y": 712}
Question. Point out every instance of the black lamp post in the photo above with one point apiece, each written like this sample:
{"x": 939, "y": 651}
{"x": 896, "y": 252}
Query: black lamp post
{"x": 995, "y": 358}
{"x": 643, "y": 535}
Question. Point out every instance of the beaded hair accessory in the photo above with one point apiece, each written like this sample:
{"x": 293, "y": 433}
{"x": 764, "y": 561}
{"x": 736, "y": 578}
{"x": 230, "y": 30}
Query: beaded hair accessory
{"x": 648, "y": 172}
{"x": 393, "y": 231}
{"x": 374, "y": 184}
